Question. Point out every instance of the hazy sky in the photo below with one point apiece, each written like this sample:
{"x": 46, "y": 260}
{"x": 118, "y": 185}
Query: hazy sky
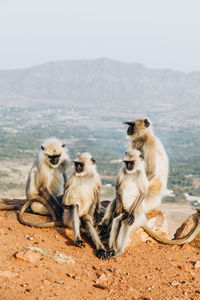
{"x": 156, "y": 33}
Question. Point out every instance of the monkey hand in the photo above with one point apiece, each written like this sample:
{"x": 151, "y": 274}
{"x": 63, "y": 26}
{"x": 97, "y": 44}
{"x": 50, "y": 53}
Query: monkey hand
{"x": 80, "y": 243}
{"x": 101, "y": 254}
{"x": 110, "y": 253}
{"x": 130, "y": 219}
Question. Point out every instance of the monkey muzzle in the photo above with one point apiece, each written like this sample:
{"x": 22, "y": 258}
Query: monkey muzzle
{"x": 79, "y": 167}
{"x": 54, "y": 159}
{"x": 129, "y": 165}
{"x": 130, "y": 130}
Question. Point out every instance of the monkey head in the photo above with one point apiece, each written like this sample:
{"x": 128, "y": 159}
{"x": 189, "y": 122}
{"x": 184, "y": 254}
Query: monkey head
{"x": 84, "y": 164}
{"x": 133, "y": 161}
{"x": 52, "y": 150}
{"x": 138, "y": 127}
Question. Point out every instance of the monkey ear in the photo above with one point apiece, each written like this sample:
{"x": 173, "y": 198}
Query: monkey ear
{"x": 42, "y": 147}
{"x": 141, "y": 156}
{"x": 63, "y": 145}
{"x": 146, "y": 123}
{"x": 93, "y": 160}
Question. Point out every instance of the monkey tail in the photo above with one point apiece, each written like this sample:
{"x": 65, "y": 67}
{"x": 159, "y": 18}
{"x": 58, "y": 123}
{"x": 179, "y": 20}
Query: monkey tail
{"x": 53, "y": 223}
{"x": 9, "y": 207}
{"x": 186, "y": 239}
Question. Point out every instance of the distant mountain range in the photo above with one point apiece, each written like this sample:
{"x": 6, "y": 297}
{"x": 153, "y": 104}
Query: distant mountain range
{"x": 97, "y": 81}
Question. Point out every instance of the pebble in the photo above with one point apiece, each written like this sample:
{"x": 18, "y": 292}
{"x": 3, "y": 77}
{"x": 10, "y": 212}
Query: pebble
{"x": 174, "y": 283}
{"x": 29, "y": 237}
{"x": 28, "y": 256}
{"x": 111, "y": 270}
{"x": 59, "y": 281}
{"x": 101, "y": 286}
{"x": 197, "y": 264}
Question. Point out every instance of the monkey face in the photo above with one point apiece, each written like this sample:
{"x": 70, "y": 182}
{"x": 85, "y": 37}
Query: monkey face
{"x": 84, "y": 164}
{"x": 133, "y": 161}
{"x": 54, "y": 159}
{"x": 137, "y": 127}
{"x": 79, "y": 167}
{"x": 129, "y": 164}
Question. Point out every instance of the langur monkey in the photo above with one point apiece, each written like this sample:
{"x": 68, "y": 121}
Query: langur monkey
{"x": 143, "y": 139}
{"x": 81, "y": 202}
{"x": 46, "y": 180}
{"x": 127, "y": 210}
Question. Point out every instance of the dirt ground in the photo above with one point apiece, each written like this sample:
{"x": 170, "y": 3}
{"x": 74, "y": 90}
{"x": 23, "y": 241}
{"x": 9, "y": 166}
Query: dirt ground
{"x": 146, "y": 271}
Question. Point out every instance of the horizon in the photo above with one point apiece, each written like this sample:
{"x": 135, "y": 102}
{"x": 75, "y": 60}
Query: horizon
{"x": 96, "y": 59}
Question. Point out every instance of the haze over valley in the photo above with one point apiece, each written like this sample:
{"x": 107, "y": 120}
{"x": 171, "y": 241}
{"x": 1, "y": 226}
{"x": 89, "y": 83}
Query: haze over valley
{"x": 85, "y": 103}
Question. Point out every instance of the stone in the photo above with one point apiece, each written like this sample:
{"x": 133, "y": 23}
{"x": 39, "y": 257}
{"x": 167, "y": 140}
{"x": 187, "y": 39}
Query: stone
{"x": 197, "y": 264}
{"x": 188, "y": 225}
{"x": 8, "y": 274}
{"x": 157, "y": 221}
{"x": 28, "y": 256}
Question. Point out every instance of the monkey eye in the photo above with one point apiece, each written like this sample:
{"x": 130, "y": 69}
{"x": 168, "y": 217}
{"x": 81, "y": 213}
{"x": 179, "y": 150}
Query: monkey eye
{"x": 77, "y": 163}
{"x": 129, "y": 162}
{"x": 53, "y": 156}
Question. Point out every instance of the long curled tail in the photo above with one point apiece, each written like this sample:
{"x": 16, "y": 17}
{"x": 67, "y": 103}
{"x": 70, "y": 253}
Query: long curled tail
{"x": 186, "y": 239}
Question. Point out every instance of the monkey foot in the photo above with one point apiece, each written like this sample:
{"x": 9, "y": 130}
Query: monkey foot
{"x": 80, "y": 243}
{"x": 110, "y": 253}
{"x": 130, "y": 220}
{"x": 101, "y": 254}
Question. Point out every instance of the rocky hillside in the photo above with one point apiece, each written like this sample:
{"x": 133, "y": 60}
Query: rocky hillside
{"x": 98, "y": 80}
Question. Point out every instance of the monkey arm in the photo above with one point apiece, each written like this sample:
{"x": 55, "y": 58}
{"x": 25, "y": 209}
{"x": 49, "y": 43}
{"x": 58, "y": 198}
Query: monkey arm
{"x": 134, "y": 207}
{"x": 97, "y": 211}
{"x": 118, "y": 206}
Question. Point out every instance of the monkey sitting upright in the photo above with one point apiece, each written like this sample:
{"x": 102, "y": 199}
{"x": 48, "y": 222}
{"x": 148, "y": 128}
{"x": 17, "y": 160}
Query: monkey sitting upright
{"x": 81, "y": 201}
{"x": 48, "y": 176}
{"x": 128, "y": 209}
{"x": 143, "y": 139}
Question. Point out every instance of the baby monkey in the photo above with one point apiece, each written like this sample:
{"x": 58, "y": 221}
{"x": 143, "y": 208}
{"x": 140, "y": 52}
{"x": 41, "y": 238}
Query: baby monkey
{"x": 81, "y": 202}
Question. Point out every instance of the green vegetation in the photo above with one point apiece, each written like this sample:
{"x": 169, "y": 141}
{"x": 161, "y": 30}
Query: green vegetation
{"x": 23, "y": 130}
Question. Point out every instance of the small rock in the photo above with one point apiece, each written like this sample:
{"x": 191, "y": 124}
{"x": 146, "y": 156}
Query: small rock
{"x": 197, "y": 291}
{"x": 10, "y": 228}
{"x": 28, "y": 290}
{"x": 111, "y": 270}
{"x": 174, "y": 283}
{"x": 101, "y": 286}
{"x": 28, "y": 256}
{"x": 197, "y": 264}
{"x": 8, "y": 274}
{"x": 59, "y": 281}
{"x": 29, "y": 237}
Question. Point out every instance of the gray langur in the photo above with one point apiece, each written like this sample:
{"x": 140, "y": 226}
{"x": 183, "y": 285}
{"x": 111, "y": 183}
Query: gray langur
{"x": 81, "y": 202}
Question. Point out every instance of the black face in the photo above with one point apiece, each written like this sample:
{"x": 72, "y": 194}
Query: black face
{"x": 54, "y": 159}
{"x": 129, "y": 164}
{"x": 79, "y": 167}
{"x": 131, "y": 126}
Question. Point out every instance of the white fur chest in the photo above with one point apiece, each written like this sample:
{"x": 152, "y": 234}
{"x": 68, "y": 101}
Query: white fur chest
{"x": 130, "y": 192}
{"x": 55, "y": 182}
